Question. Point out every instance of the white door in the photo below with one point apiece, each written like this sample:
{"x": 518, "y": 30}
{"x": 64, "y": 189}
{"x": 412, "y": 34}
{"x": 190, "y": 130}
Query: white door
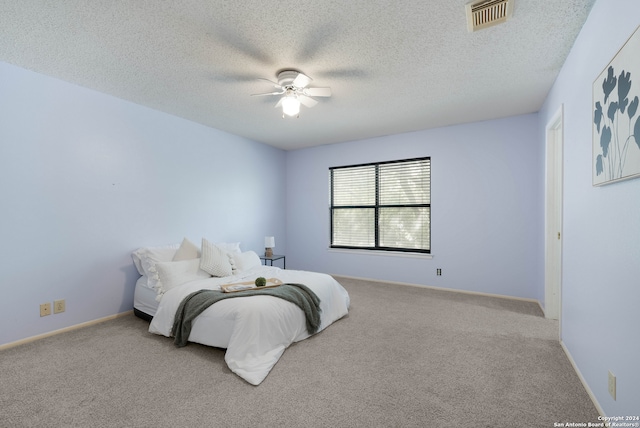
{"x": 553, "y": 217}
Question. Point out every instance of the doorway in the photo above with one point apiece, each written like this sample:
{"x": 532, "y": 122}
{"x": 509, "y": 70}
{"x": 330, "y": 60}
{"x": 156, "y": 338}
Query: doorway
{"x": 553, "y": 217}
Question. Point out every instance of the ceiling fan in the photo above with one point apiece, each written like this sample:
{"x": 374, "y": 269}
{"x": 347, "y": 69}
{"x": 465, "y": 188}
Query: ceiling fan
{"x": 292, "y": 85}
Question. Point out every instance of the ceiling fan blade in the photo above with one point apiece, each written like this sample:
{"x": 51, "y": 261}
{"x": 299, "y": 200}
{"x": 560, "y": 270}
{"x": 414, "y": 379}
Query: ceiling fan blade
{"x": 301, "y": 80}
{"x": 307, "y": 101}
{"x": 275, "y": 85}
{"x": 318, "y": 92}
{"x": 268, "y": 93}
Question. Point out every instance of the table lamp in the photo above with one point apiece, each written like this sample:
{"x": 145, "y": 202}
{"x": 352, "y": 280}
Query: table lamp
{"x": 269, "y": 243}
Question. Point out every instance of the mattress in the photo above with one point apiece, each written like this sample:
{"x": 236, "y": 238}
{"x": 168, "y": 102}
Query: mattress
{"x": 144, "y": 298}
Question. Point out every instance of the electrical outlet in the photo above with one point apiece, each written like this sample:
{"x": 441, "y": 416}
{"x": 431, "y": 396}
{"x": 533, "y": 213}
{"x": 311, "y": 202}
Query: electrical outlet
{"x": 58, "y": 306}
{"x": 45, "y": 309}
{"x": 612, "y": 385}
{"x": 438, "y": 271}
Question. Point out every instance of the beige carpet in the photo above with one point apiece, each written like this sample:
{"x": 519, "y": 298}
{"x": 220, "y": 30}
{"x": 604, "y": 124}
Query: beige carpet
{"x": 404, "y": 357}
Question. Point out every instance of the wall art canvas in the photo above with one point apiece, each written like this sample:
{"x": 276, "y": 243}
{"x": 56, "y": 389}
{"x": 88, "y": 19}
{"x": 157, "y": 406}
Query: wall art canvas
{"x": 616, "y": 117}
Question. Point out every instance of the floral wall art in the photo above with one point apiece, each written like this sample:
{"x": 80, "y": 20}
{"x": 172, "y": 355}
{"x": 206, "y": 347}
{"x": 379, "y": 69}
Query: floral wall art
{"x": 616, "y": 117}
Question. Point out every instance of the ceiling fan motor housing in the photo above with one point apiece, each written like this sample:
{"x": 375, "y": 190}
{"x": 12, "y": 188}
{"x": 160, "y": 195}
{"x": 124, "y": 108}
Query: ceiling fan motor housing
{"x": 286, "y": 77}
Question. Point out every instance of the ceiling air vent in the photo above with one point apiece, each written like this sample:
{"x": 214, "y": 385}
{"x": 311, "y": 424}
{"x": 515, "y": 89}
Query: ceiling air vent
{"x": 487, "y": 13}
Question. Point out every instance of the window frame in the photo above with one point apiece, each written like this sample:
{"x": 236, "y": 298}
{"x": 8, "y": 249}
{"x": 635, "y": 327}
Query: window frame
{"x": 377, "y": 206}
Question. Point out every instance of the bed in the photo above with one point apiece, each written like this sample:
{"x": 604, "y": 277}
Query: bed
{"x": 254, "y": 330}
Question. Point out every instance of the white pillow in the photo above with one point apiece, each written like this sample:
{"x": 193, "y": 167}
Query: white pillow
{"x": 173, "y": 274}
{"x": 187, "y": 251}
{"x": 246, "y": 260}
{"x": 215, "y": 260}
{"x": 230, "y": 247}
{"x": 146, "y": 259}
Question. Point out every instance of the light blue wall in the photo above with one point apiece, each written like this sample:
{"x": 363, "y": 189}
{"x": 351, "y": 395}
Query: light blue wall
{"x": 601, "y": 246}
{"x": 487, "y": 207}
{"x": 85, "y": 178}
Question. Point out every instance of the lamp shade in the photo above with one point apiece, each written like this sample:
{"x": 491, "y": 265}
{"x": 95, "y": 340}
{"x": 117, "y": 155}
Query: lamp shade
{"x": 269, "y": 241}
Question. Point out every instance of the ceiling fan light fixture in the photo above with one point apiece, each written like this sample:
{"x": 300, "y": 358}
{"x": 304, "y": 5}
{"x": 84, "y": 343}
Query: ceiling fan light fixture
{"x": 290, "y": 105}
{"x": 294, "y": 92}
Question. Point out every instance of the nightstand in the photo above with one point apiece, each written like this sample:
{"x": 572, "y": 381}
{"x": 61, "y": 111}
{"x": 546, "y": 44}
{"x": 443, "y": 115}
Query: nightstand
{"x": 271, "y": 259}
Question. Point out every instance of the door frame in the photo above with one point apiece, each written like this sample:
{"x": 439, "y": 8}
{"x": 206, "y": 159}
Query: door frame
{"x": 553, "y": 215}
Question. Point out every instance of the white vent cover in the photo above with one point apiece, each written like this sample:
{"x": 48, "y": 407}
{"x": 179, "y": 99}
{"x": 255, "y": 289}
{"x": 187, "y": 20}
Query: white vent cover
{"x": 487, "y": 13}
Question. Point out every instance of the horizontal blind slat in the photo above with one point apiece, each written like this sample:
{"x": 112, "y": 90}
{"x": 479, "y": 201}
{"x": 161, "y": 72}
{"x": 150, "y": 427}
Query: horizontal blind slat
{"x": 354, "y": 227}
{"x": 354, "y": 186}
{"x": 405, "y": 184}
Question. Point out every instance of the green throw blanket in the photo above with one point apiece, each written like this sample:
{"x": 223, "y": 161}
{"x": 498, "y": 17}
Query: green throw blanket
{"x": 195, "y": 303}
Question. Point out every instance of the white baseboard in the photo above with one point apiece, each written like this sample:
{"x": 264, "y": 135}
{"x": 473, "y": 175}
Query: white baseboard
{"x": 454, "y": 290}
{"x": 582, "y": 379}
{"x": 63, "y": 330}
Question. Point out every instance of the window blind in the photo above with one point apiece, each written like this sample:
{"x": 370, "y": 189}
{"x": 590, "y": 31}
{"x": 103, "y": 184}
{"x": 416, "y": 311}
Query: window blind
{"x": 382, "y": 206}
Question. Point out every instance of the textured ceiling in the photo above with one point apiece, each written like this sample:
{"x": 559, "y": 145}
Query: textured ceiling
{"x": 393, "y": 66}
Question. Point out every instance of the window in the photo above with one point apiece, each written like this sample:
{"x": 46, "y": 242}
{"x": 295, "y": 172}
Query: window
{"x": 382, "y": 206}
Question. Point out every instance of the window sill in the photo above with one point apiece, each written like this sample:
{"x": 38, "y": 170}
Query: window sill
{"x": 382, "y": 253}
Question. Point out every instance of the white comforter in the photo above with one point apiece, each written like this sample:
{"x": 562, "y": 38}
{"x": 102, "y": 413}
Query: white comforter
{"x": 255, "y": 330}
